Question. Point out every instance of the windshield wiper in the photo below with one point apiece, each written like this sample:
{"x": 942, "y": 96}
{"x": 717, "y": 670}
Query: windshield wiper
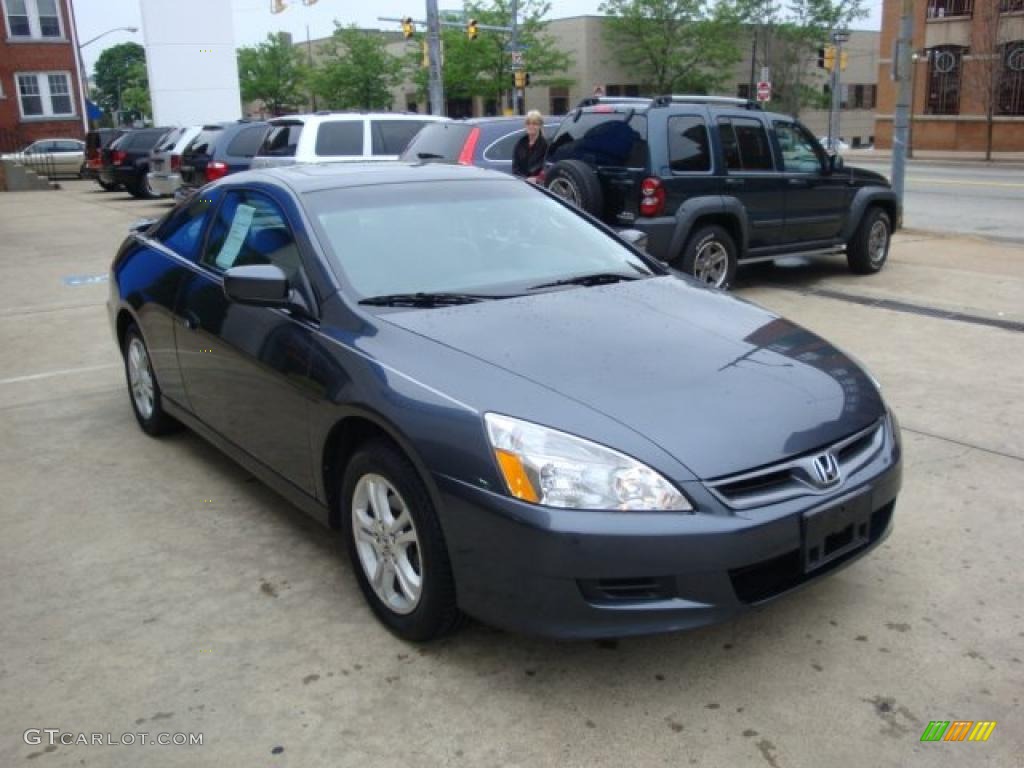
{"x": 597, "y": 278}
{"x": 425, "y": 299}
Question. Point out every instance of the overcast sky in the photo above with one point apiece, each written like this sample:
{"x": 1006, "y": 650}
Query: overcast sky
{"x": 253, "y": 19}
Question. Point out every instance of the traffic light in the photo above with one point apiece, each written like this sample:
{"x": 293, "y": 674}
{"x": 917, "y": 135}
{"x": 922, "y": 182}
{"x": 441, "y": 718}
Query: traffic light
{"x": 471, "y": 30}
{"x": 408, "y": 29}
{"x": 843, "y": 58}
{"x": 830, "y": 57}
{"x": 521, "y": 78}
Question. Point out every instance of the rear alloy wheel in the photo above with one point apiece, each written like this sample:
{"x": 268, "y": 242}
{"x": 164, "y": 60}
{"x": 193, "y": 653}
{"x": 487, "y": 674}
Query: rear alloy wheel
{"x": 395, "y": 544}
{"x": 710, "y": 257}
{"x": 143, "y": 386}
{"x": 868, "y": 249}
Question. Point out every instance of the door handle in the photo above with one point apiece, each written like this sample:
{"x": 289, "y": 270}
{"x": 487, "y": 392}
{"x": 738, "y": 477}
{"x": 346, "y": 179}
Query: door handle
{"x": 735, "y": 182}
{"x": 799, "y": 183}
{"x": 190, "y": 320}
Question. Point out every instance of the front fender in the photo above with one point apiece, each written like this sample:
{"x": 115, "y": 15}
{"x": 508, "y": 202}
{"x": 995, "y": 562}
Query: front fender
{"x": 867, "y": 196}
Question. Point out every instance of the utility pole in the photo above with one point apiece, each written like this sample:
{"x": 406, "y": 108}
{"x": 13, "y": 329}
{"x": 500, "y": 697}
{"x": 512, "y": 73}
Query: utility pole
{"x": 436, "y": 88}
{"x": 838, "y": 37}
{"x": 517, "y": 93}
{"x": 309, "y": 59}
{"x": 902, "y": 74}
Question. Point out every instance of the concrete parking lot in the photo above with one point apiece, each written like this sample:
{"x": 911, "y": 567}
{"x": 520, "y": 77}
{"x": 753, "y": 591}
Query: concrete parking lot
{"x": 153, "y": 586}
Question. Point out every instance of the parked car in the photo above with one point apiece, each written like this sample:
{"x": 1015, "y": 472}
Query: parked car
{"x": 338, "y": 136}
{"x": 95, "y": 142}
{"x": 218, "y": 150}
{"x": 126, "y": 161}
{"x": 165, "y": 160}
{"x": 501, "y": 406}
{"x": 716, "y": 182}
{"x": 486, "y": 142}
{"x": 52, "y": 157}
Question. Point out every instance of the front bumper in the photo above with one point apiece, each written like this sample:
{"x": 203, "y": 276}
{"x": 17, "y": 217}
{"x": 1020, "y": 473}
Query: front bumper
{"x": 583, "y": 574}
{"x": 164, "y": 184}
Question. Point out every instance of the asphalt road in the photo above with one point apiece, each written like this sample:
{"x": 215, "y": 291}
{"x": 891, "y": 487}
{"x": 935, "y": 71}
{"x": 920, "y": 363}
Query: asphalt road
{"x": 971, "y": 199}
{"x": 153, "y": 586}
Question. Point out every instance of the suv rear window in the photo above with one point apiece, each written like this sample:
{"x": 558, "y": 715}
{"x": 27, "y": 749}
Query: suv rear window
{"x": 247, "y": 141}
{"x": 745, "y": 144}
{"x": 602, "y": 138}
{"x": 281, "y": 140}
{"x": 170, "y": 139}
{"x": 391, "y": 137}
{"x": 143, "y": 139}
{"x": 688, "y": 144}
{"x": 340, "y": 138}
{"x": 503, "y": 149}
{"x": 438, "y": 141}
{"x": 203, "y": 143}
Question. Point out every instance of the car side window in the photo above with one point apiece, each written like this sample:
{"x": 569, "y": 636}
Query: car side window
{"x": 745, "y": 144}
{"x": 688, "y": 144}
{"x": 340, "y": 138}
{"x": 391, "y": 137}
{"x": 798, "y": 151}
{"x": 183, "y": 231}
{"x": 250, "y": 228}
{"x": 247, "y": 141}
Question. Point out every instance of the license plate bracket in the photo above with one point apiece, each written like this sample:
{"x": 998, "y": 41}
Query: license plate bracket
{"x": 833, "y": 531}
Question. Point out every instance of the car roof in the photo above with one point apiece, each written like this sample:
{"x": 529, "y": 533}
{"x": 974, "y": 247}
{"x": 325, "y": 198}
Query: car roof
{"x": 317, "y": 117}
{"x": 316, "y": 177}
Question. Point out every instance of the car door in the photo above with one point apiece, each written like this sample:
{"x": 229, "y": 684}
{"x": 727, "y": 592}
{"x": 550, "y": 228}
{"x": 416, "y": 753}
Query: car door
{"x": 246, "y": 369}
{"x": 67, "y": 157}
{"x": 816, "y": 199}
{"x": 751, "y": 178}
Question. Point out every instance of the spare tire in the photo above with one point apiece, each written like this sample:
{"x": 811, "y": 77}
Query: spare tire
{"x": 577, "y": 182}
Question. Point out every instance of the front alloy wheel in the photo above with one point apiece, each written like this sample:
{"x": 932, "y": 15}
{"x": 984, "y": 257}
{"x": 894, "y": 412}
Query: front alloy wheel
{"x": 143, "y": 385}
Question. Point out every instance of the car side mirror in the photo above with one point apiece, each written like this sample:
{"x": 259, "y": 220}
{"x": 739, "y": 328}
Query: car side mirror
{"x": 635, "y": 237}
{"x": 835, "y": 163}
{"x": 260, "y": 285}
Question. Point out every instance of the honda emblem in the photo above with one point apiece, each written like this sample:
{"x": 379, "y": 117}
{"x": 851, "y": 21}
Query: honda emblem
{"x": 826, "y": 469}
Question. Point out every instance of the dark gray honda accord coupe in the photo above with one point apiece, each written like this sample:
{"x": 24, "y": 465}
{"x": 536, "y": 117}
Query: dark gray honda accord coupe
{"x": 505, "y": 409}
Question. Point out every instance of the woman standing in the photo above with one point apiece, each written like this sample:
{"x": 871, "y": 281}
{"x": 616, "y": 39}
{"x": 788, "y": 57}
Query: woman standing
{"x": 528, "y": 157}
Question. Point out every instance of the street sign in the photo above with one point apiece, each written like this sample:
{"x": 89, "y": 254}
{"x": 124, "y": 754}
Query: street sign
{"x": 764, "y": 91}
{"x": 516, "y": 57}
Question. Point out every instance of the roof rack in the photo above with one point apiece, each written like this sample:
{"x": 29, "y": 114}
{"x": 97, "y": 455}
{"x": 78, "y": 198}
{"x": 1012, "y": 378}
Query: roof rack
{"x": 593, "y": 101}
{"x": 717, "y": 101}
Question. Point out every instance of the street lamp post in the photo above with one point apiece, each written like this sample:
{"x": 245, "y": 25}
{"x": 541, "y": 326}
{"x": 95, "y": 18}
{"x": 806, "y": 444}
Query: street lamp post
{"x": 84, "y": 78}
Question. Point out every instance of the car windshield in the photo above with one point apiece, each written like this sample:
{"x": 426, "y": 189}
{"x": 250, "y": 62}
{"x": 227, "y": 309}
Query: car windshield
{"x": 490, "y": 237}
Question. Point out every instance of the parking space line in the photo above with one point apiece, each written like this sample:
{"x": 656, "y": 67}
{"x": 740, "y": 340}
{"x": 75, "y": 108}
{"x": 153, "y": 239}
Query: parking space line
{"x": 62, "y": 372}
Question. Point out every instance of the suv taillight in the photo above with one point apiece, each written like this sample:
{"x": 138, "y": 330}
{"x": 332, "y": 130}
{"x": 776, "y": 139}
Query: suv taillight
{"x": 216, "y": 170}
{"x": 175, "y": 162}
{"x": 466, "y": 155}
{"x": 652, "y": 197}
{"x": 119, "y": 156}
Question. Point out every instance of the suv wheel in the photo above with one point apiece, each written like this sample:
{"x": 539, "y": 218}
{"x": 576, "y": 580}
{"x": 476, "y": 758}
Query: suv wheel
{"x": 868, "y": 249}
{"x": 576, "y": 182}
{"x": 710, "y": 257}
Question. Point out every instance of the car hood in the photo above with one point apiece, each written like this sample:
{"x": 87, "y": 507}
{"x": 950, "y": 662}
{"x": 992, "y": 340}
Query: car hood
{"x": 864, "y": 176}
{"x": 722, "y": 385}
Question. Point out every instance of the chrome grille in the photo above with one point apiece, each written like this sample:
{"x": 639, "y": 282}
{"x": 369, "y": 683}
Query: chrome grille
{"x": 798, "y": 477}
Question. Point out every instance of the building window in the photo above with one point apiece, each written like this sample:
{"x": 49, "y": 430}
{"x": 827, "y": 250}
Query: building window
{"x": 45, "y": 94}
{"x": 1006, "y": 6}
{"x": 743, "y": 91}
{"x": 940, "y": 9}
{"x": 559, "y": 96}
{"x": 944, "y": 66}
{"x": 1011, "y": 80}
{"x": 33, "y": 18}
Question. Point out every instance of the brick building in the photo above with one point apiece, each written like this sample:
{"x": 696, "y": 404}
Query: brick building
{"x": 40, "y": 91}
{"x": 968, "y": 56}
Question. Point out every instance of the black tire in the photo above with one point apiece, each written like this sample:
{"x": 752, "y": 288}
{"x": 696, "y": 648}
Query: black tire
{"x": 710, "y": 256}
{"x": 108, "y": 187}
{"x": 868, "y": 249}
{"x": 156, "y": 421}
{"x": 141, "y": 190}
{"x": 436, "y": 612}
{"x": 577, "y": 182}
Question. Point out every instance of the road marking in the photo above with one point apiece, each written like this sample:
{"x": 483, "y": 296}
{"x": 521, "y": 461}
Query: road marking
{"x": 62, "y": 372}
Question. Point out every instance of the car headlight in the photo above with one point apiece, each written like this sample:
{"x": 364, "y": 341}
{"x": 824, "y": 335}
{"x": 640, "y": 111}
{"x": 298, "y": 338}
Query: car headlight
{"x": 555, "y": 469}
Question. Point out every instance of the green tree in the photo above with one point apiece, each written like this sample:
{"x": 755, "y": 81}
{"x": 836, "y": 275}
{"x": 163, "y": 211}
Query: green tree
{"x": 121, "y": 80}
{"x": 356, "y": 71}
{"x": 482, "y": 67}
{"x": 675, "y": 46}
{"x": 273, "y": 72}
